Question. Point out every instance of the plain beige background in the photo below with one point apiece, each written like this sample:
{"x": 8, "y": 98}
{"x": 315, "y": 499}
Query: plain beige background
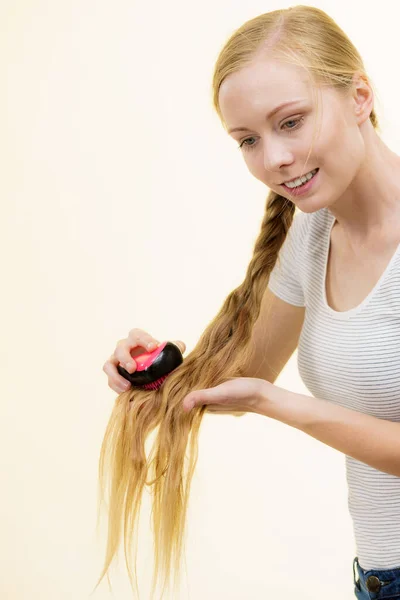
{"x": 125, "y": 204}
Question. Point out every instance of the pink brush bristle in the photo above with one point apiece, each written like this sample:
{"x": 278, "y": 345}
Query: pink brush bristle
{"x": 155, "y": 385}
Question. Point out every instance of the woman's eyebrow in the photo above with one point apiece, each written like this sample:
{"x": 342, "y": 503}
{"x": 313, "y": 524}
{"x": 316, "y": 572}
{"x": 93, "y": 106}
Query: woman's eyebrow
{"x": 271, "y": 113}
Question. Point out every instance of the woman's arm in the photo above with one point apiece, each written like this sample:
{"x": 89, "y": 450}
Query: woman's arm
{"x": 371, "y": 440}
{"x": 275, "y": 336}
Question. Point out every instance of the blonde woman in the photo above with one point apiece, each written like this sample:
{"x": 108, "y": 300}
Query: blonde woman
{"x": 291, "y": 90}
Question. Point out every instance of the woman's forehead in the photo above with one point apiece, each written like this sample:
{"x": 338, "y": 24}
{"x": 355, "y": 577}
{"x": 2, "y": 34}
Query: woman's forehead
{"x": 274, "y": 77}
{"x": 263, "y": 85}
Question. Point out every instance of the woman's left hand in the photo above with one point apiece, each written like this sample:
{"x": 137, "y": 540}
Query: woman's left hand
{"x": 238, "y": 394}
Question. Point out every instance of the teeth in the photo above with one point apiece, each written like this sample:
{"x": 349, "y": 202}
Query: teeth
{"x": 300, "y": 180}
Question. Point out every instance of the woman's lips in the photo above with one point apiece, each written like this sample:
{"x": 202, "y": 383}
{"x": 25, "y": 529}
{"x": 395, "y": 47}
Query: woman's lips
{"x": 303, "y": 189}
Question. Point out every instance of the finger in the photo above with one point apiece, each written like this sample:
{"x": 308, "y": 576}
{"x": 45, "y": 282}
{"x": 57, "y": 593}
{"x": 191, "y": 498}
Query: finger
{"x": 115, "y": 381}
{"x": 181, "y": 345}
{"x": 127, "y": 349}
{"x": 140, "y": 338}
{"x": 134, "y": 345}
{"x": 191, "y": 401}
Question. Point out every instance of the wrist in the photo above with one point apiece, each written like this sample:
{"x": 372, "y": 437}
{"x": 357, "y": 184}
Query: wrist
{"x": 271, "y": 399}
{"x": 283, "y": 405}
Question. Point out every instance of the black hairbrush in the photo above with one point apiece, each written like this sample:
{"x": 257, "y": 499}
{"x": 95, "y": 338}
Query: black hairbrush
{"x": 153, "y": 367}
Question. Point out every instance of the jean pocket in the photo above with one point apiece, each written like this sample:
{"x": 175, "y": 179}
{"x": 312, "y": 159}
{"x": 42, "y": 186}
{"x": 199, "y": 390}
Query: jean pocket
{"x": 358, "y": 591}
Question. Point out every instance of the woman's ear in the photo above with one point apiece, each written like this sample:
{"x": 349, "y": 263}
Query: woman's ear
{"x": 363, "y": 98}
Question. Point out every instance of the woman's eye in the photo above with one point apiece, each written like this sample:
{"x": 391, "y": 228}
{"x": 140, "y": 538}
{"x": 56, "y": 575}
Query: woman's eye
{"x": 245, "y": 144}
{"x": 292, "y": 121}
{"x": 288, "y": 123}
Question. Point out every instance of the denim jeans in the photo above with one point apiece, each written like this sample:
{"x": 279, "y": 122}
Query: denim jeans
{"x": 379, "y": 584}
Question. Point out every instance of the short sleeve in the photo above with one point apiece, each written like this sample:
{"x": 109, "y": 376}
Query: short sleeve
{"x": 285, "y": 279}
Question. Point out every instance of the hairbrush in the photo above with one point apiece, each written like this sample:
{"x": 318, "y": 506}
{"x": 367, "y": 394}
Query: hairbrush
{"x": 152, "y": 368}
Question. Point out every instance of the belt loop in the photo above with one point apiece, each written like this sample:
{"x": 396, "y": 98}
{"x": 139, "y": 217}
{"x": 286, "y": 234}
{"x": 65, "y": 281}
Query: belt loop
{"x": 355, "y": 571}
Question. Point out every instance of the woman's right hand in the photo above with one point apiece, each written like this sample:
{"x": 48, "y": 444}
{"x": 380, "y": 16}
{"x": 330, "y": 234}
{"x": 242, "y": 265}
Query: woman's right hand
{"x": 136, "y": 343}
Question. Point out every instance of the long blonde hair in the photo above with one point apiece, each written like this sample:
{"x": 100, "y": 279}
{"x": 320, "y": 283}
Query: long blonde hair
{"x": 303, "y": 35}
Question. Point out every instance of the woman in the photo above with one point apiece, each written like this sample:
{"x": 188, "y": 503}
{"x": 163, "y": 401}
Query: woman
{"x": 292, "y": 91}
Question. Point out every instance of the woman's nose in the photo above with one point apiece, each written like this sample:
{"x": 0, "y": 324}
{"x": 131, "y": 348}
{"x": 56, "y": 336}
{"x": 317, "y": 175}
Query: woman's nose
{"x": 276, "y": 157}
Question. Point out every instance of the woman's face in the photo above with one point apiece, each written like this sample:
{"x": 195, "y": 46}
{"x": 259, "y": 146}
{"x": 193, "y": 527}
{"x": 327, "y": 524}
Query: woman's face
{"x": 276, "y": 146}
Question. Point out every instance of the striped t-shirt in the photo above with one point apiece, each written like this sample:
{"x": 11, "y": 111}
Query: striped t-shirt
{"x": 351, "y": 358}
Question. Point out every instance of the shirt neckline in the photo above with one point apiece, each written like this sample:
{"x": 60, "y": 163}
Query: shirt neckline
{"x": 352, "y": 311}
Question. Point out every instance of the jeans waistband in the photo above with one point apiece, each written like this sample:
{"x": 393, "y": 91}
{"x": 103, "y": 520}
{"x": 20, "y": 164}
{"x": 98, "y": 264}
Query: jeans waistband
{"x": 377, "y": 583}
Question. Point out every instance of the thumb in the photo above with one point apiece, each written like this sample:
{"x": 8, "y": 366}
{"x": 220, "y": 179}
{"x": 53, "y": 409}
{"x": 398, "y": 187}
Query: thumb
{"x": 181, "y": 345}
{"x": 192, "y": 400}
{"x": 199, "y": 397}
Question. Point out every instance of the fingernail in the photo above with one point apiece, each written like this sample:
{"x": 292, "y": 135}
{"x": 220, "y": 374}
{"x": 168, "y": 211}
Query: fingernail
{"x": 128, "y": 366}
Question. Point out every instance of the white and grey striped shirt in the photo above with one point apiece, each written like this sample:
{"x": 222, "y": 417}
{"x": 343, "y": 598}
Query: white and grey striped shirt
{"x": 351, "y": 358}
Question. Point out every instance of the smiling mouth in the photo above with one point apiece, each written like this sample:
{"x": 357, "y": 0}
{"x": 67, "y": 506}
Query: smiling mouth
{"x": 292, "y": 180}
